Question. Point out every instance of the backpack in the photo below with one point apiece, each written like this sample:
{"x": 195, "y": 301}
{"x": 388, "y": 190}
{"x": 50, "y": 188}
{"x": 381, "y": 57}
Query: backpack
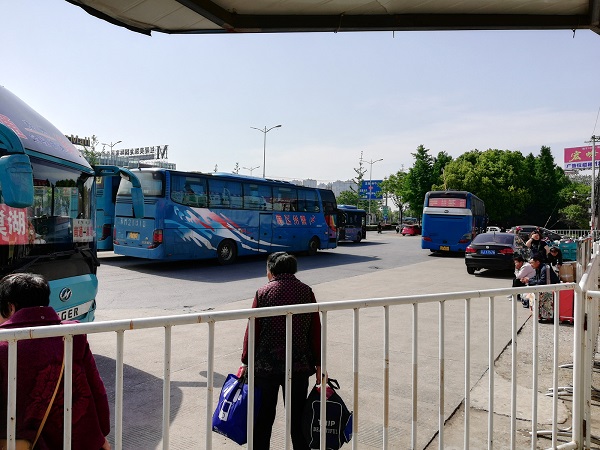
{"x": 339, "y": 419}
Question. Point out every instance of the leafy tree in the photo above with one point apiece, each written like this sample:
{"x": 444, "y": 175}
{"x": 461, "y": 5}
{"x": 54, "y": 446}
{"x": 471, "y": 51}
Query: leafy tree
{"x": 419, "y": 179}
{"x": 90, "y": 153}
{"x": 575, "y": 201}
{"x": 439, "y": 164}
{"x": 351, "y": 198}
{"x": 498, "y": 177}
{"x": 394, "y": 186}
{"x": 547, "y": 182}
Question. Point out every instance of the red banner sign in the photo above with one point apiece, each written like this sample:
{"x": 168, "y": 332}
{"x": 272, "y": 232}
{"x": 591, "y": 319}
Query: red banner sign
{"x": 581, "y": 157}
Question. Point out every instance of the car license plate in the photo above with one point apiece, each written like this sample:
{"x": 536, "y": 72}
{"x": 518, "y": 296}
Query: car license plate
{"x": 133, "y": 235}
{"x": 487, "y": 252}
{"x": 75, "y": 311}
{"x": 444, "y": 247}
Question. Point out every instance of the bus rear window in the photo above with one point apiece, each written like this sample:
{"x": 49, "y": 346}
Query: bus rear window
{"x": 152, "y": 184}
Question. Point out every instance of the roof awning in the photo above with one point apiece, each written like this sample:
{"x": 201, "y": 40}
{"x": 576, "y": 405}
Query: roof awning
{"x": 278, "y": 16}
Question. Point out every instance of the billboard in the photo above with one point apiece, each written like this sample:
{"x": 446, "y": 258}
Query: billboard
{"x": 370, "y": 189}
{"x": 581, "y": 157}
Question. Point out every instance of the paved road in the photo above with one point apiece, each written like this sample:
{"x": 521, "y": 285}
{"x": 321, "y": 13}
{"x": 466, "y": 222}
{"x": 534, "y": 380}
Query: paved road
{"x": 185, "y": 286}
{"x": 385, "y": 265}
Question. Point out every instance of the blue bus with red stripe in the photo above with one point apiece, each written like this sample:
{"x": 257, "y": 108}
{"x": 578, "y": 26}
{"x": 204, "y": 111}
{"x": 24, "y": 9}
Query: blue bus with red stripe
{"x": 190, "y": 215}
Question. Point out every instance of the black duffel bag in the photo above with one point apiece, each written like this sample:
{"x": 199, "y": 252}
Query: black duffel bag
{"x": 338, "y": 418}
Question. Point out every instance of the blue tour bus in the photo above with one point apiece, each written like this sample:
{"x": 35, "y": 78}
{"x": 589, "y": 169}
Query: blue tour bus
{"x": 47, "y": 208}
{"x": 106, "y": 195}
{"x": 451, "y": 219}
{"x": 351, "y": 223}
{"x": 191, "y": 215}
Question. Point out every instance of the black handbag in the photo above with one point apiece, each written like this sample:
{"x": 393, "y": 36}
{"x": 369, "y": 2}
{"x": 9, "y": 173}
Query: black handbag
{"x": 338, "y": 418}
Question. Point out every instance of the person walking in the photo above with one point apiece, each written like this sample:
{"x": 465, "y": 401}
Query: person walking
{"x": 283, "y": 288}
{"x": 24, "y": 300}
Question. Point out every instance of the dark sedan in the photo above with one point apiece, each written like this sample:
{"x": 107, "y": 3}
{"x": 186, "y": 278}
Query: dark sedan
{"x": 494, "y": 251}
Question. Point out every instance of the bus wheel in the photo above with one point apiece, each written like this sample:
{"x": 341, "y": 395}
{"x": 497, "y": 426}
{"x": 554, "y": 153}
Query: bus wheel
{"x": 358, "y": 237}
{"x": 470, "y": 270}
{"x": 313, "y": 246}
{"x": 226, "y": 252}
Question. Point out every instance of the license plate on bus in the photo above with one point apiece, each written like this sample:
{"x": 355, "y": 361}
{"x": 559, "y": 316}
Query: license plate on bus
{"x": 133, "y": 235}
{"x": 75, "y": 311}
{"x": 488, "y": 252}
{"x": 444, "y": 247}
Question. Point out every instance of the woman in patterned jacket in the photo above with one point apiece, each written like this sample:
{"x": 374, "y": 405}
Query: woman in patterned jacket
{"x": 283, "y": 288}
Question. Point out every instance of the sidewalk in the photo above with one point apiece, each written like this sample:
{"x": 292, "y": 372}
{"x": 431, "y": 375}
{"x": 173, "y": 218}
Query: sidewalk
{"x": 143, "y": 358}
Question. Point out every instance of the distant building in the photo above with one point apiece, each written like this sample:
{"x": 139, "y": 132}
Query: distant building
{"x": 340, "y": 186}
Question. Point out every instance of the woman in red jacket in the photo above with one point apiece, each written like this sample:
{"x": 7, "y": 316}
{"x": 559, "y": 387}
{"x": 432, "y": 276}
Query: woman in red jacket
{"x": 24, "y": 300}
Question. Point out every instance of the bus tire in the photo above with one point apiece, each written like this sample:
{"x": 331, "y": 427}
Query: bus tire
{"x": 226, "y": 252}
{"x": 313, "y": 246}
{"x": 470, "y": 270}
{"x": 358, "y": 237}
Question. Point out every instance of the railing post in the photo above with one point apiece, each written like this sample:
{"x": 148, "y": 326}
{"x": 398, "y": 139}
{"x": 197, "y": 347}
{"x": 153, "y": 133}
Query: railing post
{"x": 441, "y": 376}
{"x": 210, "y": 369}
{"x": 386, "y": 375}
{"x": 491, "y": 374}
{"x": 167, "y": 388}
{"x": 467, "y": 430}
{"x": 415, "y": 370}
{"x": 355, "y": 399}
{"x": 119, "y": 391}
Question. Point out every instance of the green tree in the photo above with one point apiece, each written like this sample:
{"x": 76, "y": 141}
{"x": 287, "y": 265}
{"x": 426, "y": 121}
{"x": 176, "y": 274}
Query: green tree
{"x": 394, "y": 186}
{"x": 419, "y": 179}
{"x": 498, "y": 177}
{"x": 351, "y": 198}
{"x": 573, "y": 206}
{"x": 90, "y": 153}
{"x": 547, "y": 182}
{"x": 439, "y": 163}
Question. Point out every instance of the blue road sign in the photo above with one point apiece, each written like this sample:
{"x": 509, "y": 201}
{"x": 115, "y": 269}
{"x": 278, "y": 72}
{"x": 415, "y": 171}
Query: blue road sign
{"x": 370, "y": 189}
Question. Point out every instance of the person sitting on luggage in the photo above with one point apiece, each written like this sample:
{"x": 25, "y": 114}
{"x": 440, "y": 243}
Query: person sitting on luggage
{"x": 541, "y": 274}
{"x": 522, "y": 270}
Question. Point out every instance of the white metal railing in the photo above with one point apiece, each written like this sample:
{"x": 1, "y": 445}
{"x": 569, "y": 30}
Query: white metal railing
{"x": 576, "y": 233}
{"x": 586, "y": 299}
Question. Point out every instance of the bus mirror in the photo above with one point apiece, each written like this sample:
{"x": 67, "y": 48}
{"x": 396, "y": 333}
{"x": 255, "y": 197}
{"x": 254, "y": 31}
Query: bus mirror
{"x": 16, "y": 179}
{"x": 137, "y": 197}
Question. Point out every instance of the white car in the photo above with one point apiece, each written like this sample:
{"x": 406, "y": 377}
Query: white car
{"x": 492, "y": 230}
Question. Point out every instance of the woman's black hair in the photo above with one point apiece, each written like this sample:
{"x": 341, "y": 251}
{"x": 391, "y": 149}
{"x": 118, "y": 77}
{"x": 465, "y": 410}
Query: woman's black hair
{"x": 23, "y": 290}
{"x": 282, "y": 262}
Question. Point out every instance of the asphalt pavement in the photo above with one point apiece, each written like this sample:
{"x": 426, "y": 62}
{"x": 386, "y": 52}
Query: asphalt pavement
{"x": 144, "y": 351}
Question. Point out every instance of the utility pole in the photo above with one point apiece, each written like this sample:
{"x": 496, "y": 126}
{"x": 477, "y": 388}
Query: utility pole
{"x": 370, "y": 182}
{"x": 593, "y": 140}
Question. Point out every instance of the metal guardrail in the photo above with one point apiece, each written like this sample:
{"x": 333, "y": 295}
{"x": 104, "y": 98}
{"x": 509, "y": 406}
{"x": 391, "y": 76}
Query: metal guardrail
{"x": 586, "y": 297}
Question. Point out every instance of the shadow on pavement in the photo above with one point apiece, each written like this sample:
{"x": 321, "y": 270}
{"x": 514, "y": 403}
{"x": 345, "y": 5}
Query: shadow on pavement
{"x": 142, "y": 399}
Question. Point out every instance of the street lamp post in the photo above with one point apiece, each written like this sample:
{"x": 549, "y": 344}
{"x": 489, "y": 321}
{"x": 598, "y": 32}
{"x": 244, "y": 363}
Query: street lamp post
{"x": 111, "y": 145}
{"x": 265, "y": 131}
{"x": 371, "y": 182}
{"x": 251, "y": 169}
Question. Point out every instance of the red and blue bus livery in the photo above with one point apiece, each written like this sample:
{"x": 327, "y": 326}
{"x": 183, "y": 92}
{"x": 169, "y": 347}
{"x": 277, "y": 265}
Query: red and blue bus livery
{"x": 192, "y": 215}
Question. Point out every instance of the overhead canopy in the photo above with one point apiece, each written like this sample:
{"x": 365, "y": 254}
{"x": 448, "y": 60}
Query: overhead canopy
{"x": 273, "y": 16}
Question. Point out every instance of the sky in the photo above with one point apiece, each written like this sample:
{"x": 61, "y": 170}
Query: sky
{"x": 335, "y": 95}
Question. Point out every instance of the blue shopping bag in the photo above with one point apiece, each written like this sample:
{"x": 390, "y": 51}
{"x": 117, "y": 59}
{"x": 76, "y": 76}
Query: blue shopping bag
{"x": 229, "y": 418}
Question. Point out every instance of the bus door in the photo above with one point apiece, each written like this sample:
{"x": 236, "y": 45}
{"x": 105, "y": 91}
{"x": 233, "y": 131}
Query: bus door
{"x": 265, "y": 231}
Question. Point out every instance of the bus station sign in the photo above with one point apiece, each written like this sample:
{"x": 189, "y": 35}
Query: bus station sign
{"x": 581, "y": 157}
{"x": 370, "y": 189}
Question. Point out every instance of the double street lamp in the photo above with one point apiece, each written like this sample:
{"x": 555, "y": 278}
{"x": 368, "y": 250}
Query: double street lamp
{"x": 111, "y": 145}
{"x": 265, "y": 131}
{"x": 251, "y": 169}
{"x": 371, "y": 182}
